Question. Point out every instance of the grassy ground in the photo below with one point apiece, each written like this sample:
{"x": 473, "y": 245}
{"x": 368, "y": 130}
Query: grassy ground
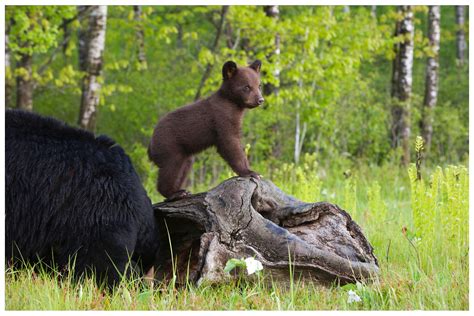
{"x": 419, "y": 230}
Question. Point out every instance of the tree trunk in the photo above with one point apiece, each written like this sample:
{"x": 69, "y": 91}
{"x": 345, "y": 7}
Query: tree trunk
{"x": 431, "y": 81}
{"x": 373, "y": 11}
{"x": 460, "y": 36}
{"x": 24, "y": 83}
{"x": 140, "y": 34}
{"x": 82, "y": 37}
{"x": 273, "y": 11}
{"x": 91, "y": 84}
{"x": 214, "y": 48}
{"x": 299, "y": 135}
{"x": 8, "y": 84}
{"x": 244, "y": 217}
{"x": 67, "y": 33}
{"x": 402, "y": 83}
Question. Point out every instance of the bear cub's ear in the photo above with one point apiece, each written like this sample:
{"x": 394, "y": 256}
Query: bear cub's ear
{"x": 229, "y": 69}
{"x": 256, "y": 65}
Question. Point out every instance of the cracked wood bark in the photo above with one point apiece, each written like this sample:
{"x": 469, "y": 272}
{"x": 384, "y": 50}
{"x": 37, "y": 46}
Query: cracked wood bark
{"x": 431, "y": 75}
{"x": 402, "y": 82}
{"x": 91, "y": 83}
{"x": 245, "y": 217}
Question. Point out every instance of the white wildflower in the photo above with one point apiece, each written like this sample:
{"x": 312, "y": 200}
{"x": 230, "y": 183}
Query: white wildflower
{"x": 353, "y": 297}
{"x": 253, "y": 265}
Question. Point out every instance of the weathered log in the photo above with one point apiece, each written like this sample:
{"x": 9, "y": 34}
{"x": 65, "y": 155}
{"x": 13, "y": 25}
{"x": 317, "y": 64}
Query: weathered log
{"x": 244, "y": 217}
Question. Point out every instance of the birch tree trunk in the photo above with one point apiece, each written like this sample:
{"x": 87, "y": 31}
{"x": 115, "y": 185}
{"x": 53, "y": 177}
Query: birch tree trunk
{"x": 24, "y": 83}
{"x": 460, "y": 36}
{"x": 373, "y": 11}
{"x": 299, "y": 135}
{"x": 431, "y": 81}
{"x": 402, "y": 83}
{"x": 91, "y": 84}
{"x": 140, "y": 34}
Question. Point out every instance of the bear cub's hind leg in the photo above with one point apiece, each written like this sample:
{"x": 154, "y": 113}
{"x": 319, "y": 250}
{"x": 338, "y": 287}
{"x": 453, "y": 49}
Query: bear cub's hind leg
{"x": 172, "y": 175}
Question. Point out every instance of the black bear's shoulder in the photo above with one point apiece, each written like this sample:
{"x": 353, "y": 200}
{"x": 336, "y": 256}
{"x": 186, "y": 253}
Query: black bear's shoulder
{"x": 23, "y": 123}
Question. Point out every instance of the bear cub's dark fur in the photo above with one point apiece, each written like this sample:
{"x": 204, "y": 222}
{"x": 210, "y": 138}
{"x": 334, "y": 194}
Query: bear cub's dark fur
{"x": 214, "y": 121}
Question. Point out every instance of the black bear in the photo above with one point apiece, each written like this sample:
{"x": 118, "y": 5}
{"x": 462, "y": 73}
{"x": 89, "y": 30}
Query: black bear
{"x": 214, "y": 121}
{"x": 73, "y": 198}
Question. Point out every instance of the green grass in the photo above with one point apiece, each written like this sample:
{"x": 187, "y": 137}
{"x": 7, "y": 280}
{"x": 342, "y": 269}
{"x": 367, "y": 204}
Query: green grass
{"x": 420, "y": 239}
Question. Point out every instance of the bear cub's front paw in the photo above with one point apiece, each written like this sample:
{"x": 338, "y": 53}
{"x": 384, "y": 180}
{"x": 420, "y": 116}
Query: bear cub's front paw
{"x": 181, "y": 194}
{"x": 251, "y": 174}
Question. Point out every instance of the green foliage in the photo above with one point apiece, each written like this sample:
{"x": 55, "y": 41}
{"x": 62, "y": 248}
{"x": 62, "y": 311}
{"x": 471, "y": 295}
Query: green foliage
{"x": 301, "y": 180}
{"x": 350, "y": 195}
{"x": 35, "y": 29}
{"x": 376, "y": 204}
{"x": 234, "y": 263}
{"x": 440, "y": 207}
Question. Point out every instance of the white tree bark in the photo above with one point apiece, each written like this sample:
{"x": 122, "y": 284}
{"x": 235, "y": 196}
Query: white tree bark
{"x": 431, "y": 75}
{"x": 299, "y": 135}
{"x": 91, "y": 85}
{"x": 460, "y": 36}
{"x": 373, "y": 11}
{"x": 407, "y": 29}
{"x": 402, "y": 82}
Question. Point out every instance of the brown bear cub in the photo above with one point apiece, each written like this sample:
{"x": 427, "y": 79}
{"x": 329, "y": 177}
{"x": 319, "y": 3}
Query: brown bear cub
{"x": 214, "y": 121}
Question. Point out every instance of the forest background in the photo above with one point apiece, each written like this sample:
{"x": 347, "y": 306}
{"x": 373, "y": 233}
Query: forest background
{"x": 347, "y": 91}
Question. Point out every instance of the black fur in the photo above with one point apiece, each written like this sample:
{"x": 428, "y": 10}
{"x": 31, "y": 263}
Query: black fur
{"x": 69, "y": 193}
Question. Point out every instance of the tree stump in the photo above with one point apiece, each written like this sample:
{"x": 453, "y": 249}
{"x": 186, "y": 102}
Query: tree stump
{"x": 245, "y": 217}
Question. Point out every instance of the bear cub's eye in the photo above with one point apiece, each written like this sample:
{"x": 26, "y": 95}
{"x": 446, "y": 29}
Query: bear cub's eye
{"x": 247, "y": 88}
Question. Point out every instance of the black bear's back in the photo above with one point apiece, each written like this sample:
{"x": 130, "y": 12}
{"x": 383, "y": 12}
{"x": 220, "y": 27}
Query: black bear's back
{"x": 69, "y": 192}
